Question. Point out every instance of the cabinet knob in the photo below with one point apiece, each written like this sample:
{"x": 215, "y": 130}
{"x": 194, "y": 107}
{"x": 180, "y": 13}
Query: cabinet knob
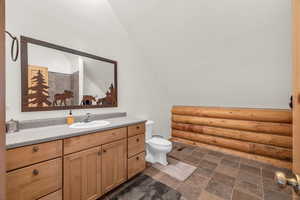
{"x": 35, "y": 149}
{"x": 138, "y": 127}
{"x": 35, "y": 172}
{"x": 137, "y": 139}
{"x": 137, "y": 158}
{"x": 104, "y": 151}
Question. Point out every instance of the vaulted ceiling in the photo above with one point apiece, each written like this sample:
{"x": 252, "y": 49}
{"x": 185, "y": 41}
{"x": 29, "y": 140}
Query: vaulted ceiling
{"x": 207, "y": 50}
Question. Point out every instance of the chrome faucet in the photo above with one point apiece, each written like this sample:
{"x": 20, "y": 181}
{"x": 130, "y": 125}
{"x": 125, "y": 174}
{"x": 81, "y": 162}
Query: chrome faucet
{"x": 87, "y": 118}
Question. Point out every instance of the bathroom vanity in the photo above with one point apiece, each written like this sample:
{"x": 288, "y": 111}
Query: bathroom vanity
{"x": 80, "y": 164}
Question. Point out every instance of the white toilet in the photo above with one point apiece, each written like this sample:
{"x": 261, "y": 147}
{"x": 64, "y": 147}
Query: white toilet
{"x": 156, "y": 147}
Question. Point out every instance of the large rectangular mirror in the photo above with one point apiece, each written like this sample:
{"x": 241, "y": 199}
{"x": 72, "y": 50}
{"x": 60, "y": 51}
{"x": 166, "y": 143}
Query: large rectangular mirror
{"x": 58, "y": 78}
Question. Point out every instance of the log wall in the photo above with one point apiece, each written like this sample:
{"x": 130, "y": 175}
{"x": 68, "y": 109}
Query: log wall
{"x": 262, "y": 132}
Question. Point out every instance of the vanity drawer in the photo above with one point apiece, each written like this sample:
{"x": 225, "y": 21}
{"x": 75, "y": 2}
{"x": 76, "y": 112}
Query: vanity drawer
{"x": 136, "y": 129}
{"x": 24, "y": 156}
{"x": 35, "y": 181}
{"x": 53, "y": 196}
{"x": 136, "y": 144}
{"x": 79, "y": 143}
{"x": 136, "y": 164}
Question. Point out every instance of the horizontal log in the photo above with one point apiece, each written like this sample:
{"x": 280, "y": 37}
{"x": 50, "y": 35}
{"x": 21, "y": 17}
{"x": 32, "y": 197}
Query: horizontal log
{"x": 265, "y": 127}
{"x": 261, "y": 138}
{"x": 259, "y": 149}
{"x": 250, "y": 114}
{"x": 264, "y": 159}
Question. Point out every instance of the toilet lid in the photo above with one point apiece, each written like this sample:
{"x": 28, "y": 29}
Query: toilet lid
{"x": 159, "y": 141}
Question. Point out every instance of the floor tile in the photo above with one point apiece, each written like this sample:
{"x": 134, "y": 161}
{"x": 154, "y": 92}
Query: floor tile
{"x": 207, "y": 164}
{"x": 219, "y": 189}
{"x": 252, "y": 163}
{"x": 229, "y": 163}
{"x": 244, "y": 176}
{"x": 192, "y": 160}
{"x": 254, "y": 189}
{"x": 177, "y": 155}
{"x": 204, "y": 172}
{"x": 189, "y": 192}
{"x": 250, "y": 169}
{"x": 268, "y": 173}
{"x": 205, "y": 195}
{"x": 169, "y": 181}
{"x": 239, "y": 195}
{"x": 212, "y": 158}
{"x": 153, "y": 172}
{"x": 233, "y": 172}
{"x": 202, "y": 150}
{"x": 198, "y": 154}
{"x": 196, "y": 179}
{"x": 216, "y": 153}
{"x": 232, "y": 158}
{"x": 274, "y": 195}
{"x": 222, "y": 178}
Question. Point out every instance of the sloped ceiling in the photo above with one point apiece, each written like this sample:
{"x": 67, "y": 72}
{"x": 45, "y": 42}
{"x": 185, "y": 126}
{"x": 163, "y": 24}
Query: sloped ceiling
{"x": 209, "y": 52}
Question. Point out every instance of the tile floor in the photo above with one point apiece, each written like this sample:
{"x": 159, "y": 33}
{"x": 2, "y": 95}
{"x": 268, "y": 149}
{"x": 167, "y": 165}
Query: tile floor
{"x": 222, "y": 177}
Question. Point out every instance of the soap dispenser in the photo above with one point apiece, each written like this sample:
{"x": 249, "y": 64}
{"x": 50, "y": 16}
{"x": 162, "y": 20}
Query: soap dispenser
{"x": 70, "y": 118}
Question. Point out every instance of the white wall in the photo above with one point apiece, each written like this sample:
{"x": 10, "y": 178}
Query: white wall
{"x": 197, "y": 52}
{"x": 215, "y": 53}
{"x": 89, "y": 26}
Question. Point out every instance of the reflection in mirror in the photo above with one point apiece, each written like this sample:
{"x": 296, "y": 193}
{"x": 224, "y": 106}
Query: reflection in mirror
{"x": 66, "y": 79}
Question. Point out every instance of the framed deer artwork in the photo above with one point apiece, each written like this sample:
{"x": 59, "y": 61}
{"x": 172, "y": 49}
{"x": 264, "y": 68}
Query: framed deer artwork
{"x": 58, "y": 78}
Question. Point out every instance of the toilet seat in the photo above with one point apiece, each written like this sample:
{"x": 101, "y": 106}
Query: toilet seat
{"x": 160, "y": 142}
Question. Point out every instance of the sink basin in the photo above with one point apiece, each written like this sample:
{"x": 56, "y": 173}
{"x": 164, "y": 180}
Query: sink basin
{"x": 92, "y": 124}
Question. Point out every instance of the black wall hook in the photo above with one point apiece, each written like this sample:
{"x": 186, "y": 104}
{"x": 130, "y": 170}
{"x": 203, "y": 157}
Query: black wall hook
{"x": 12, "y": 49}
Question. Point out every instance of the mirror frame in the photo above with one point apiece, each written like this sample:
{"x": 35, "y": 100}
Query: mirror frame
{"x": 24, "y": 75}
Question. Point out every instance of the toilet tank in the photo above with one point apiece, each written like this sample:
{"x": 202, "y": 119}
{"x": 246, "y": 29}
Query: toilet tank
{"x": 149, "y": 129}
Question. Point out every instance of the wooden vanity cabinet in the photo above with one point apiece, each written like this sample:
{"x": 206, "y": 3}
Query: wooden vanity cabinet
{"x": 136, "y": 164}
{"x": 77, "y": 168}
{"x": 136, "y": 144}
{"x": 28, "y": 155}
{"x": 136, "y": 149}
{"x": 82, "y": 175}
{"x": 114, "y": 164}
{"x": 34, "y": 182}
{"x": 53, "y": 196}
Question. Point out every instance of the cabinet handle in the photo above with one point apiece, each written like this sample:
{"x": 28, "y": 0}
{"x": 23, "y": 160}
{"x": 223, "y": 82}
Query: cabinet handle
{"x": 35, "y": 149}
{"x": 35, "y": 172}
{"x": 137, "y": 158}
{"x": 137, "y": 139}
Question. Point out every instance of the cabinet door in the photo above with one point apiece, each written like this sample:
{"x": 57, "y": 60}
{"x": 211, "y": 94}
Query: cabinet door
{"x": 114, "y": 164}
{"x": 82, "y": 175}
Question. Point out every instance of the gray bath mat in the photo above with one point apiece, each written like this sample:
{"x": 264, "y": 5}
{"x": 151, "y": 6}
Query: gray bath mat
{"x": 177, "y": 169}
{"x": 144, "y": 187}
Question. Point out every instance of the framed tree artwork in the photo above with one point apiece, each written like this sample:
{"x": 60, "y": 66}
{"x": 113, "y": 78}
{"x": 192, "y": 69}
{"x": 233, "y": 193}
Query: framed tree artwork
{"x": 33, "y": 71}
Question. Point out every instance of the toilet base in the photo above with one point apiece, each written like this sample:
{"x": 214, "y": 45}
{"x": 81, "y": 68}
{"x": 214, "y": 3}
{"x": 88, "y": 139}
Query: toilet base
{"x": 156, "y": 157}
